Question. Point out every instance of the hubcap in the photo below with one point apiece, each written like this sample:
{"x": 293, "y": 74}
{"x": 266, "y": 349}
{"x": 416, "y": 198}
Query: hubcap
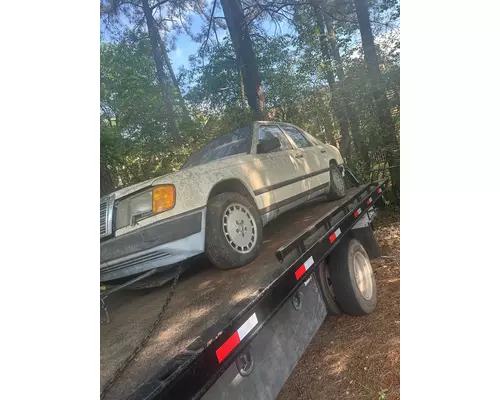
{"x": 364, "y": 275}
{"x": 337, "y": 178}
{"x": 239, "y": 228}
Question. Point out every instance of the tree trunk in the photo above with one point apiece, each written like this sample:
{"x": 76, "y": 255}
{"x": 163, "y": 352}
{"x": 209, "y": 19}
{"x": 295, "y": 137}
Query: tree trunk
{"x": 345, "y": 95}
{"x": 384, "y": 113}
{"x": 338, "y": 112}
{"x": 240, "y": 36}
{"x": 107, "y": 184}
{"x": 329, "y": 131}
{"x": 155, "y": 39}
{"x": 242, "y": 89}
{"x": 173, "y": 78}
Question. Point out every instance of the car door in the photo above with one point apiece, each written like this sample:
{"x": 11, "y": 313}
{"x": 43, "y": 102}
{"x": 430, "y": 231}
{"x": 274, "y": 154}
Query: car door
{"x": 283, "y": 171}
{"x": 316, "y": 163}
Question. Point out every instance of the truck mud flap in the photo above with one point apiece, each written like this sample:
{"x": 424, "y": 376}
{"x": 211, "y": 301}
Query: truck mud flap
{"x": 271, "y": 357}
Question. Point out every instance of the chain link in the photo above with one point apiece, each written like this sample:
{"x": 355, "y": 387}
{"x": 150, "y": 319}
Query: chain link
{"x": 140, "y": 346}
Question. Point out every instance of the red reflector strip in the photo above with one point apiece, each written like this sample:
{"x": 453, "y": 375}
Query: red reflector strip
{"x": 304, "y": 267}
{"x": 228, "y": 346}
{"x": 357, "y": 212}
{"x": 301, "y": 271}
{"x": 233, "y": 341}
{"x": 334, "y": 235}
{"x": 369, "y": 201}
{"x": 379, "y": 190}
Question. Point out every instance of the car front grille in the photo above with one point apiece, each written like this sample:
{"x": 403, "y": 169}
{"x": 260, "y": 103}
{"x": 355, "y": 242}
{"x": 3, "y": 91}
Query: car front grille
{"x": 106, "y": 208}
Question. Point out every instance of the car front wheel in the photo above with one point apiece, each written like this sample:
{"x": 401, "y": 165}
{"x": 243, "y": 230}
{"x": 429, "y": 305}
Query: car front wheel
{"x": 233, "y": 231}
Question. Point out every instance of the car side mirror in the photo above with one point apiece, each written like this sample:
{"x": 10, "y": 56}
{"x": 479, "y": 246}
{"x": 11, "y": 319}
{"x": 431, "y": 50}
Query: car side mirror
{"x": 268, "y": 145}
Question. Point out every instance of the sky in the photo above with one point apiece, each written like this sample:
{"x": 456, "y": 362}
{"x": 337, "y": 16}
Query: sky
{"x": 185, "y": 46}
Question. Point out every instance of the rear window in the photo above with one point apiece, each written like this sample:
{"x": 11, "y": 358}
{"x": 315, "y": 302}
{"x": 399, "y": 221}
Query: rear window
{"x": 238, "y": 141}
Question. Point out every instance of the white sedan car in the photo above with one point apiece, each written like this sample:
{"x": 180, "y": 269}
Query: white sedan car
{"x": 218, "y": 202}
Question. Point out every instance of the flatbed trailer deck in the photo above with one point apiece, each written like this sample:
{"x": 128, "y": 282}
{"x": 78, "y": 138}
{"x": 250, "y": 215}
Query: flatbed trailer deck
{"x": 193, "y": 343}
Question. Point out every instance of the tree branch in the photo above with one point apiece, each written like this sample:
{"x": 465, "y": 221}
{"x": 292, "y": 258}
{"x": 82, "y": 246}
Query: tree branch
{"x": 210, "y": 27}
{"x": 160, "y": 3}
{"x": 276, "y": 8}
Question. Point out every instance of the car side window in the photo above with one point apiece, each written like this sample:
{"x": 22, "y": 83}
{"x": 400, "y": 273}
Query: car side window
{"x": 270, "y": 131}
{"x": 315, "y": 141}
{"x": 299, "y": 139}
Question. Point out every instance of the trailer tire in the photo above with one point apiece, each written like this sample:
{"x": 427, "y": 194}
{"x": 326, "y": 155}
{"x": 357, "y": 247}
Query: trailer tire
{"x": 351, "y": 269}
{"x": 336, "y": 188}
{"x": 228, "y": 243}
{"x": 325, "y": 282}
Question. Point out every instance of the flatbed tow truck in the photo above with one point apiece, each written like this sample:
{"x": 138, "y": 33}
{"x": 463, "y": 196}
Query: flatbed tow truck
{"x": 238, "y": 334}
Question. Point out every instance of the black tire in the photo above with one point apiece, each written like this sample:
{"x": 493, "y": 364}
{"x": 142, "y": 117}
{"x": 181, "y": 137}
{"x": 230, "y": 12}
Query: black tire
{"x": 344, "y": 283}
{"x": 336, "y": 188}
{"x": 325, "y": 281}
{"x": 367, "y": 239}
{"x": 217, "y": 247}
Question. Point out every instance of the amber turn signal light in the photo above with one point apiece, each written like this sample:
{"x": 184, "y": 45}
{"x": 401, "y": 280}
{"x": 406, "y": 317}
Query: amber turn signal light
{"x": 163, "y": 198}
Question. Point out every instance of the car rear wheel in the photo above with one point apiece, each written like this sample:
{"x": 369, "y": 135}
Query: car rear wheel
{"x": 337, "y": 186}
{"x": 353, "y": 279}
{"x": 325, "y": 281}
{"x": 233, "y": 231}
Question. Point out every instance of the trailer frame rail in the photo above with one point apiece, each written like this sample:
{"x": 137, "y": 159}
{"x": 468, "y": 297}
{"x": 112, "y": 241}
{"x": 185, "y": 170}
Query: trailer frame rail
{"x": 204, "y": 366}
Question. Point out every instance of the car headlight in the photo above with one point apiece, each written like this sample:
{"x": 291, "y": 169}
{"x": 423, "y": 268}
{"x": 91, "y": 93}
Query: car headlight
{"x": 131, "y": 210}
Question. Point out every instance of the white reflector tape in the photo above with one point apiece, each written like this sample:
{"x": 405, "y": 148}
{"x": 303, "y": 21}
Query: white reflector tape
{"x": 248, "y": 326}
{"x": 233, "y": 341}
{"x": 304, "y": 267}
{"x": 309, "y": 262}
{"x": 335, "y": 235}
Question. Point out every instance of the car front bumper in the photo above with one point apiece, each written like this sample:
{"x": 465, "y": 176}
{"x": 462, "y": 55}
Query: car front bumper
{"x": 158, "y": 245}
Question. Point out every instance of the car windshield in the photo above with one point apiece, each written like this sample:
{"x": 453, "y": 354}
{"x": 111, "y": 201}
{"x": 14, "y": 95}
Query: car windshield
{"x": 238, "y": 141}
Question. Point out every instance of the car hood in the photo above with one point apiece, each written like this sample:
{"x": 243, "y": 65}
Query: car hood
{"x": 132, "y": 189}
{"x": 182, "y": 176}
{"x": 173, "y": 177}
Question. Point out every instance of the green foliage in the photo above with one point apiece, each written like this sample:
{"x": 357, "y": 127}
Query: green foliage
{"x": 382, "y": 394}
{"x": 135, "y": 141}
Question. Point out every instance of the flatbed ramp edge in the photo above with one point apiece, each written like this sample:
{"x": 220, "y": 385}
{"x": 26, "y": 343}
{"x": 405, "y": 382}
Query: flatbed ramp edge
{"x": 191, "y": 373}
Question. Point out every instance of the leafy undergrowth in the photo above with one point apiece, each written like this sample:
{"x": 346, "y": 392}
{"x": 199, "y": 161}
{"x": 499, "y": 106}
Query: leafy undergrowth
{"x": 357, "y": 357}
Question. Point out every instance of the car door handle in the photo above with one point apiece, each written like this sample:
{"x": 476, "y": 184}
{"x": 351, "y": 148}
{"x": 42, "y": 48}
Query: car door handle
{"x": 323, "y": 151}
{"x": 299, "y": 155}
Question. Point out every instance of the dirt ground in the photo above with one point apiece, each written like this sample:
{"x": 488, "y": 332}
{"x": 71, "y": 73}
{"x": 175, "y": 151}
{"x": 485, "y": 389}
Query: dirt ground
{"x": 357, "y": 357}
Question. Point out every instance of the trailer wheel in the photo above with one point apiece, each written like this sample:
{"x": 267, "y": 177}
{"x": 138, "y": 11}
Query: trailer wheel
{"x": 325, "y": 282}
{"x": 336, "y": 189}
{"x": 354, "y": 282}
{"x": 233, "y": 230}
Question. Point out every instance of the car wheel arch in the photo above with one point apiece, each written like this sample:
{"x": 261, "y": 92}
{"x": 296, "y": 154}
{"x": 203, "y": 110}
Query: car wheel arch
{"x": 231, "y": 185}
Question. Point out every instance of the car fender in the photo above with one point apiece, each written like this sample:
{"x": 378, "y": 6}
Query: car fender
{"x": 335, "y": 154}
